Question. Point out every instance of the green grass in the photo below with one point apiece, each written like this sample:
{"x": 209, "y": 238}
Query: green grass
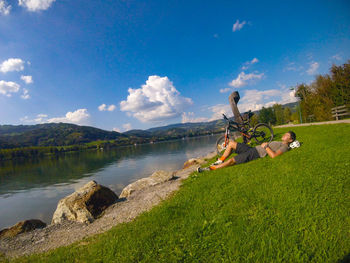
{"x": 294, "y": 208}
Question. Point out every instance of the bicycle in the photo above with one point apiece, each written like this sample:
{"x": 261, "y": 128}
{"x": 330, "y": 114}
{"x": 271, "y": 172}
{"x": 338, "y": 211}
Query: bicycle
{"x": 261, "y": 132}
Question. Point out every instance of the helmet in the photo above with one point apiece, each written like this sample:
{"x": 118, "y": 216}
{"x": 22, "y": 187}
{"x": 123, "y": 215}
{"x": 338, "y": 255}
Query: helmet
{"x": 294, "y": 144}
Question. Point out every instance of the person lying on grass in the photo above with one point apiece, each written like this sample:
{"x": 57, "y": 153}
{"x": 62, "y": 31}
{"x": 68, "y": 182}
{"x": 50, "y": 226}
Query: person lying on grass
{"x": 246, "y": 153}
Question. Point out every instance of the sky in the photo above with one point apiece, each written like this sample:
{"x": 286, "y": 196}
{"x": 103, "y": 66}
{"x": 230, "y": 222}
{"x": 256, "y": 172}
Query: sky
{"x": 121, "y": 65}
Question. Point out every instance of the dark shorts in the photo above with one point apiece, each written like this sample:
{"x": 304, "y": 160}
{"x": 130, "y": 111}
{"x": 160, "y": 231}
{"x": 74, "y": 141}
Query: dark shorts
{"x": 245, "y": 153}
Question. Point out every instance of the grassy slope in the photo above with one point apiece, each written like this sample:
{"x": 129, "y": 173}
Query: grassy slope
{"x": 294, "y": 208}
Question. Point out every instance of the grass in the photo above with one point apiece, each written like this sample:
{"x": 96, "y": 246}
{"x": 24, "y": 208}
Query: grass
{"x": 294, "y": 208}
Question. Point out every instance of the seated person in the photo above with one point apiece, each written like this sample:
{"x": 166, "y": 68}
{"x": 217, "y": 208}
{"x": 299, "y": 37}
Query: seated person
{"x": 246, "y": 153}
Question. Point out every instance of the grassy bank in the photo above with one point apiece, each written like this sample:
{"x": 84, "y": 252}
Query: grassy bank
{"x": 294, "y": 208}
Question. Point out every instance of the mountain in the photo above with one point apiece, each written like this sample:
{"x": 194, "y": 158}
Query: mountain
{"x": 51, "y": 134}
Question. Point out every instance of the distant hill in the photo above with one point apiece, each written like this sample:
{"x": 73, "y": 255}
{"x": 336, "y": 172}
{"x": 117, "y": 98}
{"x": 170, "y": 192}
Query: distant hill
{"x": 51, "y": 134}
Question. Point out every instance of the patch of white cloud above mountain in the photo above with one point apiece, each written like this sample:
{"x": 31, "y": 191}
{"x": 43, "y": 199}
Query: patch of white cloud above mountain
{"x": 157, "y": 100}
{"x": 104, "y": 107}
{"x": 80, "y": 116}
{"x": 190, "y": 117}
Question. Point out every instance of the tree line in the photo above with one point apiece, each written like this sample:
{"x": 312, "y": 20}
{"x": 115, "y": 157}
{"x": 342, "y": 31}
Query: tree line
{"x": 316, "y": 100}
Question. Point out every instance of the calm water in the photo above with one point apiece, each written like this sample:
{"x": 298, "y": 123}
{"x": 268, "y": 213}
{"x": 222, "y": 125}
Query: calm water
{"x": 32, "y": 189}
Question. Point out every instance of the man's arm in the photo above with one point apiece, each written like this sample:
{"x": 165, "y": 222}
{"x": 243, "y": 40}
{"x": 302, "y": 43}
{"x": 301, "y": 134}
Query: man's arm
{"x": 271, "y": 153}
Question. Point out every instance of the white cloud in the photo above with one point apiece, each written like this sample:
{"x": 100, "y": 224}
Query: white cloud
{"x": 103, "y": 107}
{"x": 336, "y": 57}
{"x": 80, "y": 116}
{"x": 8, "y": 87}
{"x": 293, "y": 67}
{"x": 40, "y": 118}
{"x": 27, "y": 79}
{"x": 238, "y": 26}
{"x": 242, "y": 80}
{"x": 313, "y": 68}
{"x": 127, "y": 126}
{"x": 254, "y": 60}
{"x": 218, "y": 110}
{"x": 111, "y": 107}
{"x": 156, "y": 100}
{"x": 12, "y": 64}
{"x": 248, "y": 63}
{"x": 116, "y": 129}
{"x": 25, "y": 94}
{"x": 256, "y": 99}
{"x": 189, "y": 117}
{"x": 4, "y": 8}
{"x": 35, "y": 5}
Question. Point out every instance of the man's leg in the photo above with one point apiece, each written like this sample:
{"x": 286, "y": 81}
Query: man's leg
{"x": 243, "y": 157}
{"x": 229, "y": 162}
{"x": 232, "y": 145}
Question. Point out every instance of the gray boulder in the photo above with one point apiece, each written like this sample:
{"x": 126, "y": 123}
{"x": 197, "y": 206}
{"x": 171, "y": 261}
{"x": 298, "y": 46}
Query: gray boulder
{"x": 156, "y": 178}
{"x": 85, "y": 204}
{"x": 21, "y": 227}
{"x": 193, "y": 161}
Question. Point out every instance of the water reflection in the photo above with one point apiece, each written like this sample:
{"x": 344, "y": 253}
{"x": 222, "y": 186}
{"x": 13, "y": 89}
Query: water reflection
{"x": 32, "y": 188}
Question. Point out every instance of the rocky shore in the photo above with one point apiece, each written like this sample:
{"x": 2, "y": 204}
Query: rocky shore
{"x": 135, "y": 199}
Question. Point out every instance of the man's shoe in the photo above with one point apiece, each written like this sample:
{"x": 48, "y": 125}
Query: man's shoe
{"x": 218, "y": 162}
{"x": 204, "y": 169}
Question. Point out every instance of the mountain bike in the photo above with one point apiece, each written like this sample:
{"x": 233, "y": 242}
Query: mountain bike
{"x": 261, "y": 132}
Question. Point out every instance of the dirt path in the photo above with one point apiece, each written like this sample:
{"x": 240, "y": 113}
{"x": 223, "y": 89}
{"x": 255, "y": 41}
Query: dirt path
{"x": 54, "y": 236}
{"x": 313, "y": 123}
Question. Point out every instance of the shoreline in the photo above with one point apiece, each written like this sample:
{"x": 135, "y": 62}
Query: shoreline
{"x": 83, "y": 148}
{"x": 124, "y": 210}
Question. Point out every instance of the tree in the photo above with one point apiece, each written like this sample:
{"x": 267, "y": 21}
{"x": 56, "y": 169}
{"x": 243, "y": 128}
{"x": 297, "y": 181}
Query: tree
{"x": 326, "y": 92}
{"x": 254, "y": 120}
{"x": 287, "y": 114}
{"x": 266, "y": 115}
{"x": 278, "y": 111}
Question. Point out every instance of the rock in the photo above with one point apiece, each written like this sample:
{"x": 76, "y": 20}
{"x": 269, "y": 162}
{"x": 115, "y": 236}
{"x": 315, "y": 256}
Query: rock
{"x": 21, "y": 227}
{"x": 85, "y": 204}
{"x": 156, "y": 178}
{"x": 193, "y": 161}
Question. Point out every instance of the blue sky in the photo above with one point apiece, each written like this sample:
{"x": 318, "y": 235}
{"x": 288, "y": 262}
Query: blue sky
{"x": 139, "y": 64}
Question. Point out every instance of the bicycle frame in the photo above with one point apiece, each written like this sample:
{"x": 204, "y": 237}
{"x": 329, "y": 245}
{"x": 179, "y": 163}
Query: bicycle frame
{"x": 234, "y": 126}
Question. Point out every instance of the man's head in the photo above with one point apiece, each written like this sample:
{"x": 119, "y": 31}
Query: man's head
{"x": 289, "y": 137}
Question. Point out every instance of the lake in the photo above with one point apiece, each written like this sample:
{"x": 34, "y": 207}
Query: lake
{"x": 31, "y": 189}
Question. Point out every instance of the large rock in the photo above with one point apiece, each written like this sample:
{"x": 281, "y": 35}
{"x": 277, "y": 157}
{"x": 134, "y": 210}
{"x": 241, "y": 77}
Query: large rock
{"x": 21, "y": 227}
{"x": 156, "y": 178}
{"x": 193, "y": 161}
{"x": 85, "y": 204}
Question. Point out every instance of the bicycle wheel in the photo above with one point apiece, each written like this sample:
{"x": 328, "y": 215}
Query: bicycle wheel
{"x": 220, "y": 144}
{"x": 262, "y": 133}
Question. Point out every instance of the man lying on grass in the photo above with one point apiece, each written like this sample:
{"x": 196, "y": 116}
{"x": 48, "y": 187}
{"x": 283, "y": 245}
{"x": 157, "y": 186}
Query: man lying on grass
{"x": 246, "y": 153}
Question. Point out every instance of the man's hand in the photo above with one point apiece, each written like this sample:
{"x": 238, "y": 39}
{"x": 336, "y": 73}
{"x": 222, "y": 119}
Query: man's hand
{"x": 264, "y": 144}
